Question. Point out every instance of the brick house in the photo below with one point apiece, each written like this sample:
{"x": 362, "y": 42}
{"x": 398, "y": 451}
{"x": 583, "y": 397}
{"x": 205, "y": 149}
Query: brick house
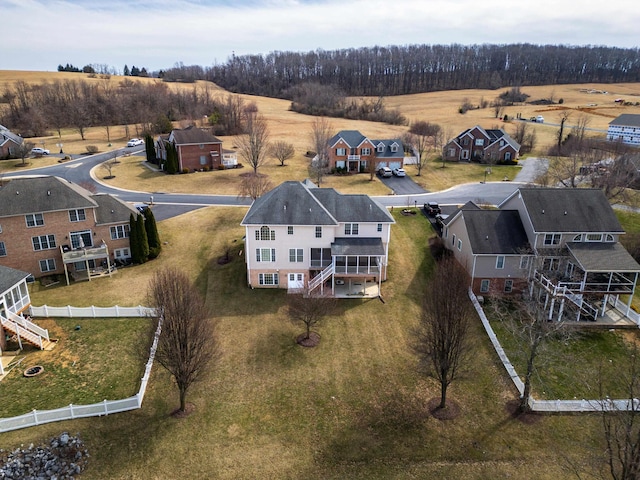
{"x": 626, "y": 129}
{"x": 561, "y": 243}
{"x": 196, "y": 148}
{"x": 300, "y": 237}
{"x": 51, "y": 226}
{"x": 480, "y": 145}
{"x": 353, "y": 151}
{"x": 9, "y": 143}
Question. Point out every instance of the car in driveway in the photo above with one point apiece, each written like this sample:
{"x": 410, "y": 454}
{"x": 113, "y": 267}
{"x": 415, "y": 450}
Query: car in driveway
{"x": 432, "y": 209}
{"x": 385, "y": 172}
{"x": 134, "y": 142}
{"x": 39, "y": 151}
{"x": 399, "y": 172}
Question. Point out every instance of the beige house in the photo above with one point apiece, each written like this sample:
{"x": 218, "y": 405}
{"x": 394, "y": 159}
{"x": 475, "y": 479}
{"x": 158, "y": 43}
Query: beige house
{"x": 303, "y": 238}
{"x": 560, "y": 243}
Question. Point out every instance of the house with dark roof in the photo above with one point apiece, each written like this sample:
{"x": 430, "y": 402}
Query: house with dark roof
{"x": 303, "y": 238}
{"x": 626, "y": 129}
{"x": 352, "y": 151}
{"x": 562, "y": 243}
{"x": 51, "y": 226}
{"x": 197, "y": 149}
{"x": 9, "y": 143}
{"x": 480, "y": 145}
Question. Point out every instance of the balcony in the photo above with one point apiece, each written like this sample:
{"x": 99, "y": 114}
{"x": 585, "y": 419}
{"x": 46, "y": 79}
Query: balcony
{"x": 353, "y": 157}
{"x": 84, "y": 254}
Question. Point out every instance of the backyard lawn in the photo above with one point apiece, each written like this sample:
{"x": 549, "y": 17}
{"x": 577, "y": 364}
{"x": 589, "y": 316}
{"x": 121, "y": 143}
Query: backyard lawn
{"x": 353, "y": 407}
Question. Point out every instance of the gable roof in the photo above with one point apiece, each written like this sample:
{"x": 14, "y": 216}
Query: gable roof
{"x": 192, "y": 135}
{"x": 42, "y": 194}
{"x": 7, "y": 136}
{"x": 495, "y": 231}
{"x": 352, "y": 138}
{"x": 626, "y": 120}
{"x": 9, "y": 277}
{"x": 493, "y": 135}
{"x": 387, "y": 152}
{"x": 295, "y": 203}
{"x": 569, "y": 210}
{"x": 112, "y": 210}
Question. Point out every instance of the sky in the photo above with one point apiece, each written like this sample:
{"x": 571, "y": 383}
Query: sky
{"x": 41, "y": 34}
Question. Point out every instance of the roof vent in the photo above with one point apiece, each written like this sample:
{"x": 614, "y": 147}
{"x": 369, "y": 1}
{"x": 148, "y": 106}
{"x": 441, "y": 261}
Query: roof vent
{"x": 543, "y": 211}
{"x": 487, "y": 237}
{"x": 111, "y": 211}
{"x": 48, "y": 193}
{"x": 565, "y": 212}
{"x": 17, "y": 193}
{"x": 285, "y": 207}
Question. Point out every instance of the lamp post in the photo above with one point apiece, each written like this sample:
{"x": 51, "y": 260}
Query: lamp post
{"x": 486, "y": 172}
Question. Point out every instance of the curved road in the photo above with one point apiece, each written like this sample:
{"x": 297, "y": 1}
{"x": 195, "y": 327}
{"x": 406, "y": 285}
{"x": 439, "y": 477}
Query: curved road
{"x": 167, "y": 205}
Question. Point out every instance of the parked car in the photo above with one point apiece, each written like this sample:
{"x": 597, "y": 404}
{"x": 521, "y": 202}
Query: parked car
{"x": 399, "y": 172}
{"x": 385, "y": 172}
{"x": 39, "y": 151}
{"x": 539, "y": 119}
{"x": 432, "y": 209}
{"x": 134, "y": 142}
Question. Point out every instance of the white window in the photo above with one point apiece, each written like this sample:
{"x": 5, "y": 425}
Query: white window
{"x": 268, "y": 278}
{"x": 577, "y": 238}
{"x": 380, "y": 148}
{"x": 34, "y": 220}
{"x": 351, "y": 229}
{"x": 81, "y": 239}
{"x": 290, "y": 230}
{"x": 500, "y": 262}
{"x": 265, "y": 233}
{"x": 594, "y": 237}
{"x": 508, "y": 286}
{"x": 479, "y": 142}
{"x": 266, "y": 254}
{"x": 122, "y": 253}
{"x": 296, "y": 255}
{"x": 379, "y": 228}
{"x": 203, "y": 159}
{"x": 552, "y": 239}
{"x": 47, "y": 265}
{"x": 459, "y": 245}
{"x": 394, "y": 148}
{"x": 453, "y": 239}
{"x": 43, "y": 242}
{"x": 446, "y": 232}
{"x": 119, "y": 231}
{"x": 77, "y": 215}
{"x": 524, "y": 262}
{"x": 452, "y": 152}
{"x": 341, "y": 152}
{"x": 484, "y": 285}
{"x": 318, "y": 232}
{"x": 0, "y": 228}
{"x": 365, "y": 151}
{"x": 608, "y": 237}
{"x": 551, "y": 264}
{"x": 3, "y": 250}
{"x": 570, "y": 269}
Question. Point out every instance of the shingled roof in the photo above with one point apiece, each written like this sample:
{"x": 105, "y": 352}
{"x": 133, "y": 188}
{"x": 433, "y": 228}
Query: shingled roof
{"x": 495, "y": 231}
{"x": 626, "y": 120}
{"x": 112, "y": 210}
{"x": 603, "y": 257}
{"x": 10, "y": 277}
{"x": 294, "y": 203}
{"x": 42, "y": 194}
{"x": 193, "y": 136}
{"x": 569, "y": 210}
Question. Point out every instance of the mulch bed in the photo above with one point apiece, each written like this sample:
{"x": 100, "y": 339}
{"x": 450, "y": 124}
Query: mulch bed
{"x": 450, "y": 412}
{"x": 189, "y": 409}
{"x": 312, "y": 341}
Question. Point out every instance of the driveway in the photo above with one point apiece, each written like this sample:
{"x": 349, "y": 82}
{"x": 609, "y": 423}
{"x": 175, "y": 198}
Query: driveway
{"x": 402, "y": 185}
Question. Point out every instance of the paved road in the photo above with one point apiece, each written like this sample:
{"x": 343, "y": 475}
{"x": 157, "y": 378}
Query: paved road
{"x": 167, "y": 205}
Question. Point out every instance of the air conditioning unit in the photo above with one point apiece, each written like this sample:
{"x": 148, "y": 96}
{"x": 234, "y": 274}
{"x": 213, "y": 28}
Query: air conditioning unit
{"x": 339, "y": 282}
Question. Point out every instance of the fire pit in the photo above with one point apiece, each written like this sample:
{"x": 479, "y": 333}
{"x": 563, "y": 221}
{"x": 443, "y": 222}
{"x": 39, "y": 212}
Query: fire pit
{"x": 33, "y": 371}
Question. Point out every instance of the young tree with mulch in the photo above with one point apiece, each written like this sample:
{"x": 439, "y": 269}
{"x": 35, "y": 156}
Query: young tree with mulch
{"x": 282, "y": 151}
{"x": 441, "y": 340}
{"x": 187, "y": 344}
{"x": 309, "y": 309}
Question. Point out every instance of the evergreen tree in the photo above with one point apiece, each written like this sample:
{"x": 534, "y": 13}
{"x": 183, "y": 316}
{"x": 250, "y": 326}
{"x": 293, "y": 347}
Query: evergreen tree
{"x": 142, "y": 236}
{"x": 153, "y": 237}
{"x": 125, "y": 72}
{"x": 172, "y": 159}
{"x": 150, "y": 149}
{"x": 134, "y": 240}
{"x": 135, "y": 71}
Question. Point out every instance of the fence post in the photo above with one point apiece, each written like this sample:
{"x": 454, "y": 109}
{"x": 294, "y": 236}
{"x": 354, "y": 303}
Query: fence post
{"x": 104, "y": 402}
{"x": 117, "y": 310}
{"x": 93, "y": 311}
{"x": 46, "y": 310}
{"x": 69, "y": 310}
{"x": 35, "y": 416}
{"x": 73, "y": 415}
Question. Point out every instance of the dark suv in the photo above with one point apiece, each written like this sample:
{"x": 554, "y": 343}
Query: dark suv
{"x": 432, "y": 209}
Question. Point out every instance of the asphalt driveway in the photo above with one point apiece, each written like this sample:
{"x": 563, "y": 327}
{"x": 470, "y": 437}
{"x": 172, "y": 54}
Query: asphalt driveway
{"x": 402, "y": 185}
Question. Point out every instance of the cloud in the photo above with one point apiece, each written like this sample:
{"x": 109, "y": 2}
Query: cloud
{"x": 40, "y": 34}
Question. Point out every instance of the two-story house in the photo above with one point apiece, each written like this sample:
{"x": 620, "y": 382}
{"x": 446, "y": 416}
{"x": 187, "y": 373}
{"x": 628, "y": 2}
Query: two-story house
{"x": 350, "y": 150}
{"x": 480, "y": 145}
{"x": 196, "y": 148}
{"x": 304, "y": 238}
{"x": 626, "y": 129}
{"x": 9, "y": 143}
{"x": 51, "y": 226}
{"x": 562, "y": 242}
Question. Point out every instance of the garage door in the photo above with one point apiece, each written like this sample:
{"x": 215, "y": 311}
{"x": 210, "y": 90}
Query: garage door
{"x": 393, "y": 165}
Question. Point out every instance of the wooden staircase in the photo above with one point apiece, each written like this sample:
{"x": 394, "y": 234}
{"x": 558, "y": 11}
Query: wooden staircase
{"x": 27, "y": 331}
{"x": 321, "y": 277}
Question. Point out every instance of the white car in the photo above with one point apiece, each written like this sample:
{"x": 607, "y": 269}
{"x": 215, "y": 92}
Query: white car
{"x": 399, "y": 172}
{"x": 384, "y": 172}
{"x": 134, "y": 142}
{"x": 539, "y": 119}
{"x": 39, "y": 151}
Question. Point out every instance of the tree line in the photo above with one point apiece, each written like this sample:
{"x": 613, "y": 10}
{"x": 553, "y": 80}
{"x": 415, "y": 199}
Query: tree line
{"x": 400, "y": 70}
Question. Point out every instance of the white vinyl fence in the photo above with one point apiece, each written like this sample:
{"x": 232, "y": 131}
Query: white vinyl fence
{"x": 556, "y": 406}
{"x": 91, "y": 312}
{"x": 106, "y": 407}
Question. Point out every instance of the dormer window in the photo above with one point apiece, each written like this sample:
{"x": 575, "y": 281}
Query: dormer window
{"x": 380, "y": 148}
{"x": 594, "y": 237}
{"x": 394, "y": 148}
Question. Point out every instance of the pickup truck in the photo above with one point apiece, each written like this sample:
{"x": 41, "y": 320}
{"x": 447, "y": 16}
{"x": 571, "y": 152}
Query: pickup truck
{"x": 432, "y": 209}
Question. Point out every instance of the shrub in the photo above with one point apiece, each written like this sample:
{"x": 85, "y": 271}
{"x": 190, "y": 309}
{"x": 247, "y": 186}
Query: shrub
{"x": 561, "y": 101}
{"x": 505, "y": 118}
{"x": 185, "y": 170}
{"x": 92, "y": 149}
{"x": 206, "y": 168}
{"x": 220, "y": 167}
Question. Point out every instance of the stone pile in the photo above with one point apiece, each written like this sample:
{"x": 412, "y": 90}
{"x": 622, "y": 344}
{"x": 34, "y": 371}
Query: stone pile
{"x": 62, "y": 459}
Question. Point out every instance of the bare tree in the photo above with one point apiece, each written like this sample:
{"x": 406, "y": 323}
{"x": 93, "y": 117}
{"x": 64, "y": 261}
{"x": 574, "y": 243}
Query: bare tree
{"x": 23, "y": 151}
{"x": 321, "y": 133}
{"x": 109, "y": 164}
{"x": 564, "y": 116}
{"x": 187, "y": 344}
{"x": 254, "y": 185}
{"x": 309, "y": 309}
{"x": 580, "y": 127}
{"x": 441, "y": 339}
{"x": 253, "y": 145}
{"x": 422, "y": 137}
{"x": 282, "y": 151}
{"x": 618, "y": 177}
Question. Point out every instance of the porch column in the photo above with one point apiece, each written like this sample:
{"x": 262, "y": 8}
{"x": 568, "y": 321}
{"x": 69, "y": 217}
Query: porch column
{"x": 604, "y": 304}
{"x": 66, "y": 273}
{"x": 635, "y": 280}
{"x": 553, "y": 303}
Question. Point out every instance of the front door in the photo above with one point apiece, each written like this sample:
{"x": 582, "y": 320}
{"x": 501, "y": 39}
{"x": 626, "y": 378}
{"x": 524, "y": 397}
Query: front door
{"x": 296, "y": 281}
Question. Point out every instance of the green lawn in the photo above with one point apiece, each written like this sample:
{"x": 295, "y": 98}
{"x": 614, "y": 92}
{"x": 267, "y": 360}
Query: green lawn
{"x": 353, "y": 407}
